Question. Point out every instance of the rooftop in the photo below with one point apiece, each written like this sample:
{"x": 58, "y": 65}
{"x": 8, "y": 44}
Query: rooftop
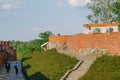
{"x": 101, "y": 25}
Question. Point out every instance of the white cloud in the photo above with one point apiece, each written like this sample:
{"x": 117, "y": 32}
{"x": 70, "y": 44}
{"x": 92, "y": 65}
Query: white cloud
{"x": 75, "y": 3}
{"x": 10, "y": 4}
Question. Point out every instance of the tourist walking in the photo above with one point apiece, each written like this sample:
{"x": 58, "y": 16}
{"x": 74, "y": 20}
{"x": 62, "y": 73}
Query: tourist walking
{"x": 16, "y": 66}
{"x": 7, "y": 66}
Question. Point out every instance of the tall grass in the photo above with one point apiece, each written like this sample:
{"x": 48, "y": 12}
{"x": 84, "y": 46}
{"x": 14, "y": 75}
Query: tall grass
{"x": 104, "y": 68}
{"x": 49, "y": 65}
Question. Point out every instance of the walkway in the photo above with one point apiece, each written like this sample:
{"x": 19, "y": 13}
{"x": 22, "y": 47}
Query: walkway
{"x": 11, "y": 75}
{"x": 83, "y": 68}
{"x": 75, "y": 75}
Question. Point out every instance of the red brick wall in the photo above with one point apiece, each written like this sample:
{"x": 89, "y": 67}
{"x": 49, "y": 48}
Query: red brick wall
{"x": 108, "y": 41}
{"x": 3, "y": 55}
{"x": 7, "y": 49}
{"x": 1, "y": 60}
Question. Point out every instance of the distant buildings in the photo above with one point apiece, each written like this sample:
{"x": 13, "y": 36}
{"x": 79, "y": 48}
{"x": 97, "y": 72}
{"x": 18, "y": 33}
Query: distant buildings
{"x": 100, "y": 28}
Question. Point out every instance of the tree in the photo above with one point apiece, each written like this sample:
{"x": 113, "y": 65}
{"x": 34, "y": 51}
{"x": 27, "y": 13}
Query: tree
{"x": 44, "y": 36}
{"x": 101, "y": 11}
{"x": 116, "y": 10}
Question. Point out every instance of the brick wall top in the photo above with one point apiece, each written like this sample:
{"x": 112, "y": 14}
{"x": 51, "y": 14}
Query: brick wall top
{"x": 58, "y": 38}
{"x": 4, "y": 42}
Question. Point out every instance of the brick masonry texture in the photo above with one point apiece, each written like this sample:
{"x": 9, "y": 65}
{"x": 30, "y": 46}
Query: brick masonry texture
{"x": 7, "y": 53}
{"x": 107, "y": 41}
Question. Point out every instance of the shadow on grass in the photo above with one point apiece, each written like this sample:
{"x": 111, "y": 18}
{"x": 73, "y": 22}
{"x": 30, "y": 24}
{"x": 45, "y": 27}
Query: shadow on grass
{"x": 26, "y": 58}
{"x": 24, "y": 68}
{"x": 37, "y": 76}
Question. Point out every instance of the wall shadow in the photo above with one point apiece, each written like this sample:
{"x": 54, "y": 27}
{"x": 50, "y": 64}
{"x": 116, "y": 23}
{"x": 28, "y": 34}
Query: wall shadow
{"x": 26, "y": 58}
{"x": 37, "y": 76}
{"x": 24, "y": 68}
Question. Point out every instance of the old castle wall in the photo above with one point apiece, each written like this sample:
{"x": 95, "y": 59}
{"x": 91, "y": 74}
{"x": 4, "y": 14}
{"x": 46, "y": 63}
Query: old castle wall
{"x": 107, "y": 41}
{"x": 6, "y": 52}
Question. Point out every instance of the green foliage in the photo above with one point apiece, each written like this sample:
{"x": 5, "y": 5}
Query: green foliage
{"x": 119, "y": 27}
{"x": 116, "y": 10}
{"x": 44, "y": 36}
{"x": 101, "y": 11}
{"x": 25, "y": 48}
{"x": 104, "y": 68}
{"x": 49, "y": 65}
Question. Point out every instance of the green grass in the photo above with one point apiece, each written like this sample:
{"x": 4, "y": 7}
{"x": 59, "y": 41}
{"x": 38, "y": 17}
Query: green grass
{"x": 49, "y": 65}
{"x": 104, "y": 68}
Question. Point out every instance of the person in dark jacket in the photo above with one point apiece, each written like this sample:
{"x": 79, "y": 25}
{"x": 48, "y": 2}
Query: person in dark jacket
{"x": 7, "y": 66}
{"x": 16, "y": 66}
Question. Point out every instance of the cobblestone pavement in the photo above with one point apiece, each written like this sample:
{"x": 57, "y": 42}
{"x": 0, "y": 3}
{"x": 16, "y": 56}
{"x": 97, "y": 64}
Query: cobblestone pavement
{"x": 12, "y": 75}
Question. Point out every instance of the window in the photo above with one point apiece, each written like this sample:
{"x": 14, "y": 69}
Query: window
{"x": 108, "y": 30}
{"x": 96, "y": 30}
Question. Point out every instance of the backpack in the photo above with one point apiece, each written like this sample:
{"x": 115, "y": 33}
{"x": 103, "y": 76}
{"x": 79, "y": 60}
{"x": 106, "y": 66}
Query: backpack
{"x": 15, "y": 66}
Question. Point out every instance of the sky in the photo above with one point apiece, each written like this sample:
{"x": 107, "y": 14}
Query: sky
{"x": 24, "y": 19}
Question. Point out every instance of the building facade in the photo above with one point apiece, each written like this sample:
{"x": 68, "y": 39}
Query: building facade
{"x": 100, "y": 28}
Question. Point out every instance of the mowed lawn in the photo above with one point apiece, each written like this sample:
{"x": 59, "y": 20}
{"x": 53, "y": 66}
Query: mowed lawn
{"x": 104, "y": 68}
{"x": 49, "y": 65}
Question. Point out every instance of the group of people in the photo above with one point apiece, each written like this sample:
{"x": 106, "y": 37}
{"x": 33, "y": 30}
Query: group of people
{"x": 8, "y": 67}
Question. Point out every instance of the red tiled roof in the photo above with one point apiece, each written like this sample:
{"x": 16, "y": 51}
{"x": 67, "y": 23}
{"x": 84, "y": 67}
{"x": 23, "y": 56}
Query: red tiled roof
{"x": 101, "y": 25}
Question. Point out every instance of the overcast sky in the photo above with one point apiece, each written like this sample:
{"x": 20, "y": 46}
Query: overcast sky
{"x": 25, "y": 19}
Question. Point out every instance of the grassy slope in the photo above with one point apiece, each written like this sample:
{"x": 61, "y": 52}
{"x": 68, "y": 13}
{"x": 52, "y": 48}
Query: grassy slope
{"x": 104, "y": 68}
{"x": 49, "y": 65}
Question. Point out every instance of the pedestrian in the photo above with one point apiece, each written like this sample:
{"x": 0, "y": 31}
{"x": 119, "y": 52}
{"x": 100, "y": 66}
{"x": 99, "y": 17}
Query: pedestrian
{"x": 16, "y": 66}
{"x": 7, "y": 66}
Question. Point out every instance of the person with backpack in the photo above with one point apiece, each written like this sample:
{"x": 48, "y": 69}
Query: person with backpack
{"x": 16, "y": 66}
{"x": 7, "y": 66}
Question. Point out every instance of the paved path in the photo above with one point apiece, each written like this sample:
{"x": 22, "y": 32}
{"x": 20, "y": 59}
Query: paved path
{"x": 83, "y": 68}
{"x": 11, "y": 75}
{"x": 75, "y": 75}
